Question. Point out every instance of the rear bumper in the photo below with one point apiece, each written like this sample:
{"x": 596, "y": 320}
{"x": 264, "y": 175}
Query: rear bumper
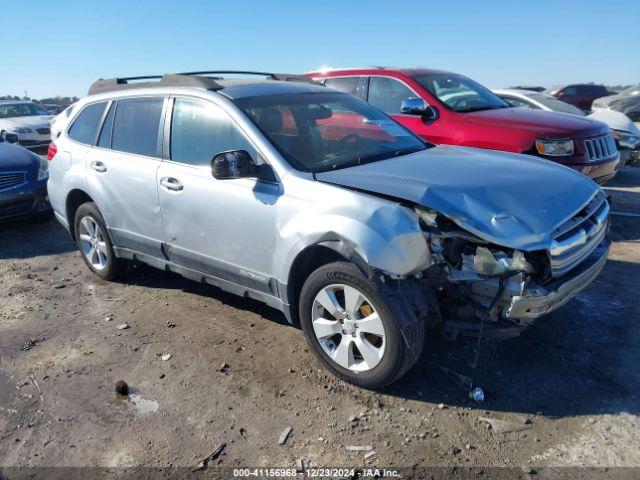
{"x": 555, "y": 295}
{"x": 23, "y": 201}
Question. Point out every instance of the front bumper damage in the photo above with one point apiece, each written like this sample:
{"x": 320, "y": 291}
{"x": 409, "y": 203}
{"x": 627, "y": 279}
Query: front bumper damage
{"x": 508, "y": 296}
{"x": 546, "y": 299}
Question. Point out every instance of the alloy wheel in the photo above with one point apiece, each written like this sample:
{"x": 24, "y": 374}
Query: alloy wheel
{"x": 348, "y": 327}
{"x": 92, "y": 240}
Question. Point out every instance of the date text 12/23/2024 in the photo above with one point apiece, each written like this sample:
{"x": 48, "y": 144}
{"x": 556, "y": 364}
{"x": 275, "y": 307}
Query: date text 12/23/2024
{"x": 317, "y": 472}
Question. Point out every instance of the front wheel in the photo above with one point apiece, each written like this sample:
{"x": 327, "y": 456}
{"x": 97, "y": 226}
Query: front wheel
{"x": 362, "y": 331}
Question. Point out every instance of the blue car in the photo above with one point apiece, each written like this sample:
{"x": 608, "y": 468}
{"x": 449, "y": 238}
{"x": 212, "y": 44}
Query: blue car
{"x": 23, "y": 181}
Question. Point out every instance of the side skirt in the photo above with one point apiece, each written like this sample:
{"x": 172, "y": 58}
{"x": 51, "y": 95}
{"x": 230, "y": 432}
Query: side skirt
{"x": 226, "y": 285}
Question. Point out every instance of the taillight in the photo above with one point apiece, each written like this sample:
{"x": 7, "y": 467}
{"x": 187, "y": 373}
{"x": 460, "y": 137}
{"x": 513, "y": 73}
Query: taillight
{"x": 52, "y": 151}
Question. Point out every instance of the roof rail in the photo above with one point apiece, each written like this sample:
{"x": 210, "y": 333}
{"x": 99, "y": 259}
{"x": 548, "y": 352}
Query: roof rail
{"x": 331, "y": 69}
{"x": 166, "y": 80}
{"x": 283, "y": 77}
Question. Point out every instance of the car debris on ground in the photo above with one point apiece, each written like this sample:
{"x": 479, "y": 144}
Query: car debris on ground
{"x": 466, "y": 383}
{"x": 359, "y": 448}
{"x": 204, "y": 463}
{"x": 284, "y": 436}
{"x": 503, "y": 426}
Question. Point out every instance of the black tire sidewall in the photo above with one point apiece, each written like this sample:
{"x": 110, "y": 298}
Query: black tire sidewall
{"x": 91, "y": 210}
{"x": 346, "y": 273}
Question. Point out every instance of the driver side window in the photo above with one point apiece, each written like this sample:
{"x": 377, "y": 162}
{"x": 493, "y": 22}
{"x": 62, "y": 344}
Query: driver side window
{"x": 387, "y": 94}
{"x": 201, "y": 130}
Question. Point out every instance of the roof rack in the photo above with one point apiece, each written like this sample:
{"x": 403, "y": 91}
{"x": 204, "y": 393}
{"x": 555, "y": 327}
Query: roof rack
{"x": 201, "y": 79}
{"x": 166, "y": 80}
{"x": 283, "y": 77}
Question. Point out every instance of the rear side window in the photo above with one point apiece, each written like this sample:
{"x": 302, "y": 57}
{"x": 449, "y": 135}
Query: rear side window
{"x": 136, "y": 126}
{"x": 388, "y": 93}
{"x": 201, "y": 130}
{"x": 85, "y": 128}
{"x": 346, "y": 85}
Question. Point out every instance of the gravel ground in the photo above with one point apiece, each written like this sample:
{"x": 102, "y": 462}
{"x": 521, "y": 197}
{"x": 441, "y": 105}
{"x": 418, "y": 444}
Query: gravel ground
{"x": 237, "y": 373}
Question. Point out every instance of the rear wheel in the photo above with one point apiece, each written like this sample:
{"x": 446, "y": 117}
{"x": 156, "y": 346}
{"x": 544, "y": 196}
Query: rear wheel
{"x": 94, "y": 243}
{"x": 359, "y": 329}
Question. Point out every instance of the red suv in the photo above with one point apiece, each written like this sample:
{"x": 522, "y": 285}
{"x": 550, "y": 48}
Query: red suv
{"x": 448, "y": 108}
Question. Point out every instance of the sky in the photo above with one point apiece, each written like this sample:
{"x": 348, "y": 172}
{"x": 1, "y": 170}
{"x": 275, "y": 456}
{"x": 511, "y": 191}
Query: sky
{"x": 54, "y": 48}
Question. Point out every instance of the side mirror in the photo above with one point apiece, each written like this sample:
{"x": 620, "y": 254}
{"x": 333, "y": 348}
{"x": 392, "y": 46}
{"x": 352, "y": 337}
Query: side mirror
{"x": 417, "y": 106}
{"x": 10, "y": 137}
{"x": 233, "y": 164}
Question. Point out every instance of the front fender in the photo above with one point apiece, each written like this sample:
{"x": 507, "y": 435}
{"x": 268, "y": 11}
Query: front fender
{"x": 389, "y": 238}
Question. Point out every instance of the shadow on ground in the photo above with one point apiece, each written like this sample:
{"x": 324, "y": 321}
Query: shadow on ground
{"x": 33, "y": 237}
{"x": 579, "y": 360}
{"x": 624, "y": 192}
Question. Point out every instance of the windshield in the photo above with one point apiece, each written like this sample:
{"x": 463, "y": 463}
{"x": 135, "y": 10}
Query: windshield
{"x": 556, "y": 105}
{"x": 317, "y": 132}
{"x": 460, "y": 94}
{"x": 9, "y": 110}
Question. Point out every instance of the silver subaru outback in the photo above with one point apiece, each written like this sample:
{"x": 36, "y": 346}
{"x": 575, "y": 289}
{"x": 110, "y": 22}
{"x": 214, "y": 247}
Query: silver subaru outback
{"x": 323, "y": 207}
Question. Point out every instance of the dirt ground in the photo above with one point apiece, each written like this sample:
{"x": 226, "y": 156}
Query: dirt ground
{"x": 239, "y": 374}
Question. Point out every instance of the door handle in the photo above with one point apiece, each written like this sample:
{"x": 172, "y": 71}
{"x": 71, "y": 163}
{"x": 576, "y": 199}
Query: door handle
{"x": 98, "y": 166}
{"x": 171, "y": 183}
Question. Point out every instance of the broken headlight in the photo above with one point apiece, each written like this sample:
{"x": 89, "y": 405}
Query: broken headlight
{"x": 554, "y": 148}
{"x": 493, "y": 264}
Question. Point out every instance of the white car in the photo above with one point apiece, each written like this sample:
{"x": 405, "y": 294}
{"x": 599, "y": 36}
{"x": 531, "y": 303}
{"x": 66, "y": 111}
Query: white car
{"x": 27, "y": 120}
{"x": 626, "y": 132}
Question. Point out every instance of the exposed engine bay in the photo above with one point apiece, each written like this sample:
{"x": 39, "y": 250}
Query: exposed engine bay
{"x": 480, "y": 287}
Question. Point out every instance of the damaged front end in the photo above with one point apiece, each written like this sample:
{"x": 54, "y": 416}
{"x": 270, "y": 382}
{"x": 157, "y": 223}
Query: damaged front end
{"x": 483, "y": 287}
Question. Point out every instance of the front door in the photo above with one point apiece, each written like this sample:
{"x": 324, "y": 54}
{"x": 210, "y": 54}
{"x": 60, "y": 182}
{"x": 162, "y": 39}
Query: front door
{"x": 388, "y": 93}
{"x": 225, "y": 228}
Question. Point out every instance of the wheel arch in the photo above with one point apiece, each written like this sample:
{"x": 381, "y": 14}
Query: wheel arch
{"x": 313, "y": 257}
{"x": 75, "y": 198}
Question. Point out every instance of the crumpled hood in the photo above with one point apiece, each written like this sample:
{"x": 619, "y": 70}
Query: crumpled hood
{"x": 30, "y": 121}
{"x": 512, "y": 200}
{"x": 615, "y": 120}
{"x": 549, "y": 124}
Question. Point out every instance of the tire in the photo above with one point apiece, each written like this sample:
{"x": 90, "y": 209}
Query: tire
{"x": 403, "y": 335}
{"x": 105, "y": 264}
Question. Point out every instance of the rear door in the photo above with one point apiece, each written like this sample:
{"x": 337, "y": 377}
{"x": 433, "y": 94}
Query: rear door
{"x": 225, "y": 228}
{"x": 122, "y": 173}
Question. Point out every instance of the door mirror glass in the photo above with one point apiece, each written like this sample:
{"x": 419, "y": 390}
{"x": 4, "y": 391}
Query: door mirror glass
{"x": 233, "y": 164}
{"x": 417, "y": 106}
